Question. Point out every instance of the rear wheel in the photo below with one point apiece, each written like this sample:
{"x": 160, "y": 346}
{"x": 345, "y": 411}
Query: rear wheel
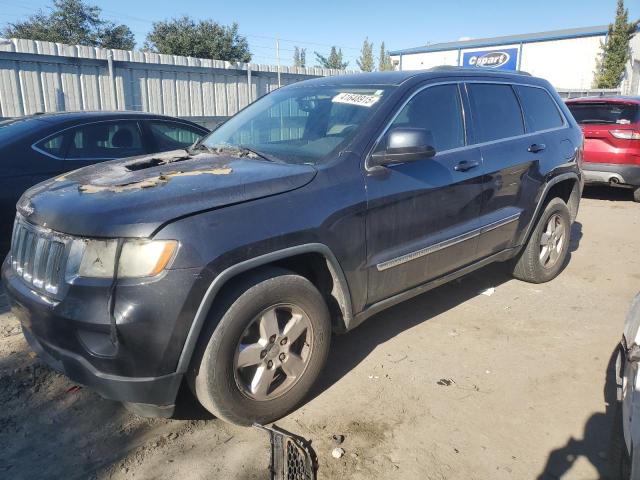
{"x": 636, "y": 195}
{"x": 545, "y": 253}
{"x": 268, "y": 348}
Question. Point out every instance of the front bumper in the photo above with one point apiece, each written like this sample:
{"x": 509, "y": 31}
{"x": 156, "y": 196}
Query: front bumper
{"x": 73, "y": 335}
{"x": 146, "y": 390}
{"x": 611, "y": 173}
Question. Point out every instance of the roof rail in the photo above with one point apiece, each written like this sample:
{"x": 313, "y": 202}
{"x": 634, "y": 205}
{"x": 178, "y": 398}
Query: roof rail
{"x": 475, "y": 69}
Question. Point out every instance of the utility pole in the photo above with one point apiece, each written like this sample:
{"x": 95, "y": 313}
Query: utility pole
{"x": 278, "y": 57}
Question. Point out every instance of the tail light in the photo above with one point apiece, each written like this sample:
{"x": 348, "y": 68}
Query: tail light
{"x": 626, "y": 134}
{"x": 580, "y": 153}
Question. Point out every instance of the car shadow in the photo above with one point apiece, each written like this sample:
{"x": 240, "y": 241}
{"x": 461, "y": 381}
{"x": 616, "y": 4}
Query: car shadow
{"x": 603, "y": 192}
{"x": 187, "y": 406}
{"x": 576, "y": 237}
{"x": 4, "y": 302}
{"x": 597, "y": 439}
{"x": 52, "y": 428}
{"x": 350, "y": 349}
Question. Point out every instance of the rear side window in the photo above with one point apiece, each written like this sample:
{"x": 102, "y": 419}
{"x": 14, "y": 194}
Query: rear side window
{"x": 105, "y": 140}
{"x": 496, "y": 111}
{"x": 53, "y": 146}
{"x": 173, "y": 135}
{"x": 438, "y": 111}
{"x": 604, "y": 112}
{"x": 540, "y": 111}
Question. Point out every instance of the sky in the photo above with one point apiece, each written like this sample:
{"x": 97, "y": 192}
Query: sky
{"x": 318, "y": 25}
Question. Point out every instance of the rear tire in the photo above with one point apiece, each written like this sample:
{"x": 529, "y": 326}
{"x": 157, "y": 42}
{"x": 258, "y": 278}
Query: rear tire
{"x": 545, "y": 253}
{"x": 246, "y": 369}
{"x": 636, "y": 195}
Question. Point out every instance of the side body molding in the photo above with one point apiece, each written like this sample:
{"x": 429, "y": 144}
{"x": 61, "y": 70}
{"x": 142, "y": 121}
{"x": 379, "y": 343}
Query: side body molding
{"x": 340, "y": 283}
{"x": 499, "y": 256}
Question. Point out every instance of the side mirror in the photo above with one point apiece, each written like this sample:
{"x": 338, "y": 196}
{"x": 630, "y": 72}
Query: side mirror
{"x": 404, "y": 145}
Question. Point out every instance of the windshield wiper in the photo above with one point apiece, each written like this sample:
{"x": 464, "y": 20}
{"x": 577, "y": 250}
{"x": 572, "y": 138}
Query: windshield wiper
{"x": 258, "y": 153}
{"x": 197, "y": 147}
{"x": 239, "y": 150}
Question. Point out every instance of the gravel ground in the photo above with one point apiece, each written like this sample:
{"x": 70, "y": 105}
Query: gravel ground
{"x": 454, "y": 384}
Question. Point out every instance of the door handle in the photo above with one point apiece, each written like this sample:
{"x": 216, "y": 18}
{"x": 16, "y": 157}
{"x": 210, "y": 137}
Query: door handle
{"x": 536, "y": 147}
{"x": 463, "y": 166}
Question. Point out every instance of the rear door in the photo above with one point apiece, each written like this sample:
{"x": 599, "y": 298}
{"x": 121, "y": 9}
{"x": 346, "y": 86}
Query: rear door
{"x": 511, "y": 157}
{"x": 165, "y": 135}
{"x": 99, "y": 141}
{"x": 23, "y": 165}
{"x": 422, "y": 215}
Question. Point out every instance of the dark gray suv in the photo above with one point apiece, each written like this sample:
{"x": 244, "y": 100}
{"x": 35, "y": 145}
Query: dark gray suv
{"x": 231, "y": 263}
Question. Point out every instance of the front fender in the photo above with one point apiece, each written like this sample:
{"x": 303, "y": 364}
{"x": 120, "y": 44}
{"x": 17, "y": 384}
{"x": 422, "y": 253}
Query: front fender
{"x": 223, "y": 277}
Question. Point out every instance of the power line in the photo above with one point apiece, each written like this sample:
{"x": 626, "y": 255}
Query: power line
{"x": 304, "y": 42}
{"x": 117, "y": 16}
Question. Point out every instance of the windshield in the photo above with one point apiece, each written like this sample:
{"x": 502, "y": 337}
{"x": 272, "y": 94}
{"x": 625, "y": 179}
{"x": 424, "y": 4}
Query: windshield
{"x": 300, "y": 124}
{"x": 604, "y": 112}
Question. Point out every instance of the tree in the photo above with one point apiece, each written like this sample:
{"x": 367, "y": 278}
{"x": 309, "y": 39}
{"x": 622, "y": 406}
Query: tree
{"x": 117, "y": 36}
{"x": 384, "y": 62}
{"x": 202, "y": 39}
{"x": 299, "y": 57}
{"x": 334, "y": 60}
{"x": 74, "y": 22}
{"x": 615, "y": 52}
{"x": 365, "y": 62}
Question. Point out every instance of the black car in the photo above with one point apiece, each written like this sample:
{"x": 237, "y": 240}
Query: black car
{"x": 41, "y": 146}
{"x": 312, "y": 209}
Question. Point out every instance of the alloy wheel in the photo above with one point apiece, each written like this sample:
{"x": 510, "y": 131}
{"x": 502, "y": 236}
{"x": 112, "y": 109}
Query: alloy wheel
{"x": 273, "y": 352}
{"x": 552, "y": 241}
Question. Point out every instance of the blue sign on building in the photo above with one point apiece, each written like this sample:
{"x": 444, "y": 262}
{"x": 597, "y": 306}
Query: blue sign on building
{"x": 505, "y": 59}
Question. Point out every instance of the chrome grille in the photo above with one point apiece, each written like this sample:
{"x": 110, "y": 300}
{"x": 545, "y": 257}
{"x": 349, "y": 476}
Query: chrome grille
{"x": 38, "y": 256}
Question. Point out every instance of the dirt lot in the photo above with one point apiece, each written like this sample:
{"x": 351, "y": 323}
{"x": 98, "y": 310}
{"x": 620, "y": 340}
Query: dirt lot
{"x": 454, "y": 384}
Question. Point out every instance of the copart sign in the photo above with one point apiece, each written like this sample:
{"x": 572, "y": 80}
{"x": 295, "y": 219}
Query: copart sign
{"x": 505, "y": 59}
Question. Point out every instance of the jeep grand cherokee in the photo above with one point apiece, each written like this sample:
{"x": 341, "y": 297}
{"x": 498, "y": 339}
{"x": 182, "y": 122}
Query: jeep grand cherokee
{"x": 231, "y": 263}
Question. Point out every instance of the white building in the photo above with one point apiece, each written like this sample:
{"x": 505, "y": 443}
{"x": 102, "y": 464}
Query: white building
{"x": 567, "y": 58}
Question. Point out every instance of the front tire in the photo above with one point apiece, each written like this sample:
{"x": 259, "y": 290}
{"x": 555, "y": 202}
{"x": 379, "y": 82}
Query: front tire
{"x": 269, "y": 346}
{"x": 545, "y": 253}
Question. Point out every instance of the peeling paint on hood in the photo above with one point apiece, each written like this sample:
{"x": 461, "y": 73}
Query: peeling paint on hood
{"x": 158, "y": 180}
{"x": 133, "y": 197}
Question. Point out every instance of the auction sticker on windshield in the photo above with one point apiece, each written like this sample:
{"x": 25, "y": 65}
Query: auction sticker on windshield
{"x": 356, "y": 99}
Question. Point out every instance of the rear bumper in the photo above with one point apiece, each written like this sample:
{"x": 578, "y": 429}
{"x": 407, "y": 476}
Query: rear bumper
{"x": 611, "y": 173}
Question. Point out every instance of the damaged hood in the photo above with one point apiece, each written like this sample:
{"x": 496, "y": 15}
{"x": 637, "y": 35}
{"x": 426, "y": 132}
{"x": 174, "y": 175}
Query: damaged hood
{"x": 133, "y": 197}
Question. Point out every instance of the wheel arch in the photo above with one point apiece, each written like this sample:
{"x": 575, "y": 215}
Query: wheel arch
{"x": 566, "y": 186}
{"x": 313, "y": 259}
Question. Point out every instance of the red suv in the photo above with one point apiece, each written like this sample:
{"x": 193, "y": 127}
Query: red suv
{"x": 611, "y": 127}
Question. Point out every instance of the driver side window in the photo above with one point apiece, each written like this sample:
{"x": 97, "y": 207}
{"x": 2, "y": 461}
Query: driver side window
{"x": 438, "y": 111}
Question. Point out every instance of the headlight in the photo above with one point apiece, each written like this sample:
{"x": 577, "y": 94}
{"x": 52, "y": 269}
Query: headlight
{"x": 138, "y": 258}
{"x": 98, "y": 258}
{"x": 145, "y": 258}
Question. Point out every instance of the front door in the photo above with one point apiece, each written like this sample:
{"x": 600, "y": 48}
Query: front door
{"x": 422, "y": 216}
